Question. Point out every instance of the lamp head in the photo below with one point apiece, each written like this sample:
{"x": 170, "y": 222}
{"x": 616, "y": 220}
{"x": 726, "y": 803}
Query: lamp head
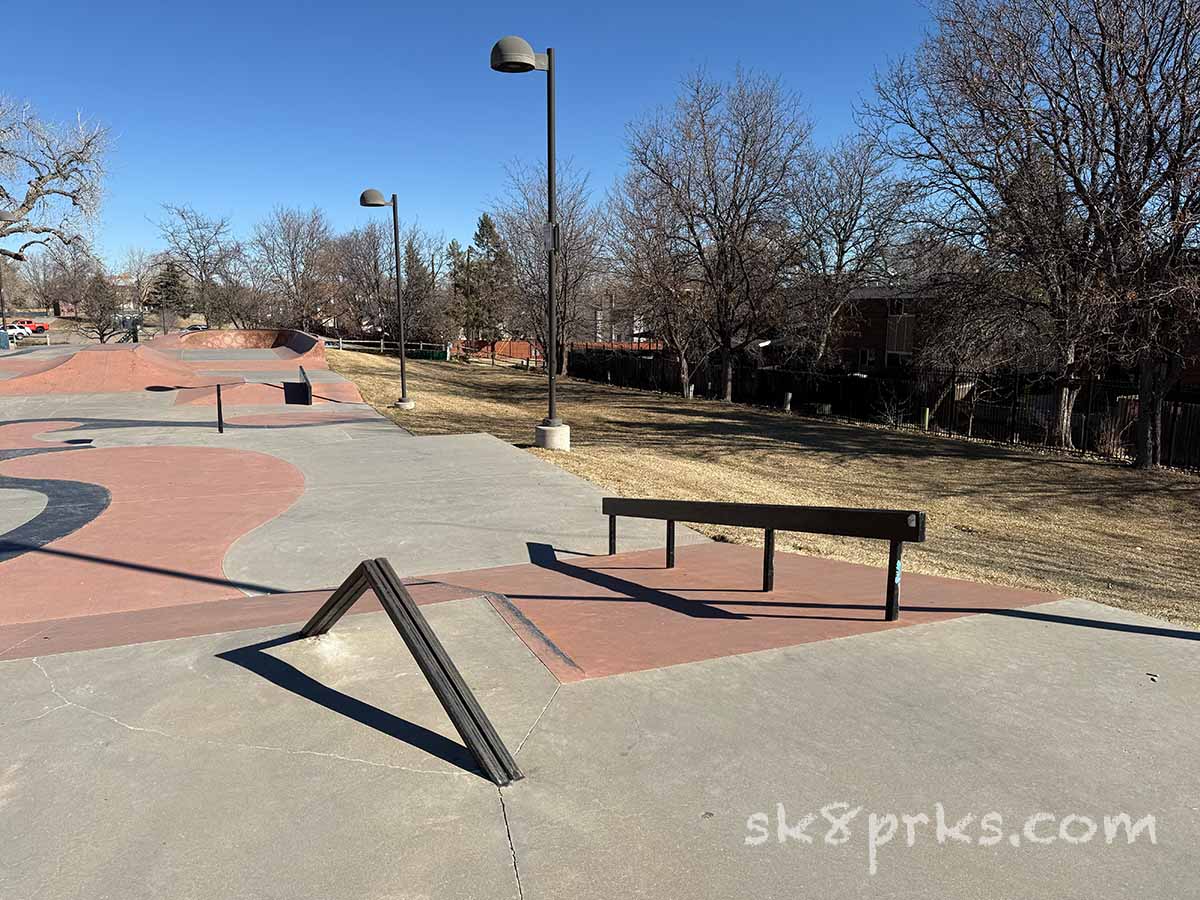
{"x": 9, "y": 217}
{"x": 513, "y": 54}
{"x": 372, "y": 197}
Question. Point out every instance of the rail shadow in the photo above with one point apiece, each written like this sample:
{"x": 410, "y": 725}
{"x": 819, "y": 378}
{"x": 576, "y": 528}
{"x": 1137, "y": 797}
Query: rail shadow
{"x": 255, "y": 658}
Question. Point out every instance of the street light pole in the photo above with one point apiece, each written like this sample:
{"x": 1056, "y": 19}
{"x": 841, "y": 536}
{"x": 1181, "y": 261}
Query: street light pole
{"x": 372, "y": 197}
{"x": 552, "y": 251}
{"x": 403, "y": 402}
{"x": 514, "y": 54}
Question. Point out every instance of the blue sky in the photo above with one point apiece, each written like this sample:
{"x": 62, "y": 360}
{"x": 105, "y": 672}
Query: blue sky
{"x": 238, "y": 107}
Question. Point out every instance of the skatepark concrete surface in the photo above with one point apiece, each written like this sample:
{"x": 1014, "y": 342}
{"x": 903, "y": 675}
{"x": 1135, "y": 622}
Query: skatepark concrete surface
{"x": 165, "y": 733}
{"x": 251, "y": 765}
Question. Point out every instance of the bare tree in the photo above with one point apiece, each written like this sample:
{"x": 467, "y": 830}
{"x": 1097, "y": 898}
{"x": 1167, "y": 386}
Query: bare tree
{"x": 292, "y": 247}
{"x": 664, "y": 287}
{"x": 1061, "y": 137}
{"x": 361, "y": 263}
{"x": 849, "y": 211}
{"x": 39, "y": 275}
{"x": 519, "y": 217}
{"x": 74, "y": 267}
{"x": 140, "y": 271}
{"x": 50, "y": 176}
{"x": 242, "y": 294}
{"x": 99, "y": 310}
{"x": 200, "y": 246}
{"x": 725, "y": 161}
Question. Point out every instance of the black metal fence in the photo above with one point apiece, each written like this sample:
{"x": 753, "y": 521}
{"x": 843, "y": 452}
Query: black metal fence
{"x": 1001, "y": 407}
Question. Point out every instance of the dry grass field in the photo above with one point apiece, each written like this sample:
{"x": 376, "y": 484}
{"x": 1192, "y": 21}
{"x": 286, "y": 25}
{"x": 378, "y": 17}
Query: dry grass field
{"x": 1074, "y": 527}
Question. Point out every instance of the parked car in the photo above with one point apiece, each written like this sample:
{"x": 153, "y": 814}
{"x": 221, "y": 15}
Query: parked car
{"x": 16, "y": 332}
{"x": 35, "y": 327}
{"x": 191, "y": 328}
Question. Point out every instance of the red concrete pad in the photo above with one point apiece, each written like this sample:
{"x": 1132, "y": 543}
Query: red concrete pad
{"x": 593, "y": 616}
{"x": 25, "y": 435}
{"x": 191, "y": 619}
{"x": 174, "y": 512}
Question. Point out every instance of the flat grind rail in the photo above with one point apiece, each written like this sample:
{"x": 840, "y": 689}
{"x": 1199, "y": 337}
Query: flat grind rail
{"x": 456, "y": 698}
{"x": 896, "y": 526}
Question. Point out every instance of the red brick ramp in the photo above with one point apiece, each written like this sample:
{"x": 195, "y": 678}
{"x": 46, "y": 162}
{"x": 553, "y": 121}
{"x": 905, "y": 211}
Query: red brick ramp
{"x": 105, "y": 369}
{"x": 587, "y": 617}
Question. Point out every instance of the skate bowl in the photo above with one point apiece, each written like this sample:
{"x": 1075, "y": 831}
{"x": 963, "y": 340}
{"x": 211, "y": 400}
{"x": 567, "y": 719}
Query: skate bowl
{"x": 287, "y": 343}
{"x": 105, "y": 369}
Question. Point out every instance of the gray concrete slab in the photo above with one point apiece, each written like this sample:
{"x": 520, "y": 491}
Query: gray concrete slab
{"x": 430, "y": 504}
{"x": 644, "y": 784}
{"x": 18, "y": 506}
{"x": 164, "y": 770}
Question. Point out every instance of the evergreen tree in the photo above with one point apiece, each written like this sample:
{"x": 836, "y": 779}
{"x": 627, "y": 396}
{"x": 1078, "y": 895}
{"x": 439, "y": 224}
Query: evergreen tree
{"x": 169, "y": 292}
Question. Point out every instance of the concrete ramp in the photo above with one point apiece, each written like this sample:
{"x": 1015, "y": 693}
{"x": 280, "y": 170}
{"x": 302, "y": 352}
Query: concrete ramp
{"x": 104, "y": 369}
{"x": 287, "y": 343}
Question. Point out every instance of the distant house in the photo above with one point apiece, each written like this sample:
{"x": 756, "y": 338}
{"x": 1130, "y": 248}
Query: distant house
{"x": 882, "y": 331}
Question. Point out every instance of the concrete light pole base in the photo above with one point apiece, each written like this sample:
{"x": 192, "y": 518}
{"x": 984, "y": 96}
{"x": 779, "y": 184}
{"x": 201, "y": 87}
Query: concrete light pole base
{"x": 403, "y": 403}
{"x": 553, "y": 437}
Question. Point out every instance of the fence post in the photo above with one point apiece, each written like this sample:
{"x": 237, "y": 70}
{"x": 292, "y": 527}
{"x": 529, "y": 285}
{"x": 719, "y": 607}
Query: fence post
{"x": 1012, "y": 416}
{"x": 1087, "y": 416}
{"x": 220, "y": 412}
{"x": 954, "y": 401}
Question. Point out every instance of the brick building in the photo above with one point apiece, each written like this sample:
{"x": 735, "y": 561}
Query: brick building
{"x": 882, "y": 330}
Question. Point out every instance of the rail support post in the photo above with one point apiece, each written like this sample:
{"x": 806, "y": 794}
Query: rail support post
{"x": 612, "y": 535}
{"x": 769, "y": 560}
{"x": 670, "y": 543}
{"x": 220, "y": 413}
{"x": 892, "y": 612}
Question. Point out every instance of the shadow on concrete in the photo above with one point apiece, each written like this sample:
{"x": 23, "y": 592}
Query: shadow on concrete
{"x": 544, "y": 556}
{"x": 254, "y": 658}
{"x": 20, "y": 547}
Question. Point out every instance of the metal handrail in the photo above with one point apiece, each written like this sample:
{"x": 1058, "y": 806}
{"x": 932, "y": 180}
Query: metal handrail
{"x": 893, "y": 525}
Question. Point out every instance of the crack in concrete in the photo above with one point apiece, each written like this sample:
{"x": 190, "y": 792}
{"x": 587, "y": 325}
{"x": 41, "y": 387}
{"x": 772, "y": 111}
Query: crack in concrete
{"x": 557, "y": 688}
{"x": 229, "y": 745}
{"x": 34, "y": 718}
{"x": 511, "y": 847}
